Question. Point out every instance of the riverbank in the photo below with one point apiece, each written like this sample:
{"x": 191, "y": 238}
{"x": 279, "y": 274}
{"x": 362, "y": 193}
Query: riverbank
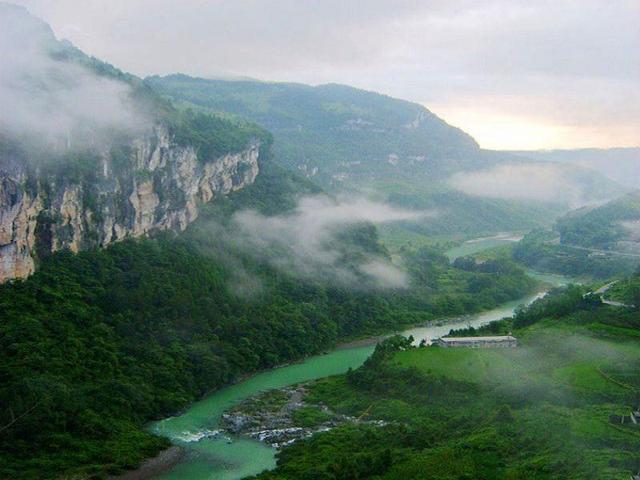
{"x": 283, "y": 416}
{"x": 152, "y": 467}
{"x": 525, "y": 412}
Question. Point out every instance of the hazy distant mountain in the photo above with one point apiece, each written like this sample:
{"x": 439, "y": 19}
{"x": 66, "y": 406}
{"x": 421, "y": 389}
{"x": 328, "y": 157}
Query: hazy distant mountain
{"x": 619, "y": 164}
{"x": 350, "y": 140}
{"x": 334, "y": 133}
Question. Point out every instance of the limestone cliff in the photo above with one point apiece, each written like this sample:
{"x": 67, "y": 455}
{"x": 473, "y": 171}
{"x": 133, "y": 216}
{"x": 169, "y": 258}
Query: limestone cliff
{"x": 152, "y": 184}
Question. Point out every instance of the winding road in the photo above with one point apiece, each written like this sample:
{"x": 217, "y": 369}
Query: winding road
{"x": 602, "y": 290}
{"x": 603, "y": 252}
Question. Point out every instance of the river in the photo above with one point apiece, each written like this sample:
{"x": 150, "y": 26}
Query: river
{"x": 217, "y": 457}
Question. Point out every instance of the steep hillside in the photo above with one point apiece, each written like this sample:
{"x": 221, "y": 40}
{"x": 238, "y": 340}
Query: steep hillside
{"x": 91, "y": 156}
{"x": 122, "y": 323}
{"x": 601, "y": 241}
{"x": 351, "y": 140}
{"x": 612, "y": 226}
{"x": 93, "y": 199}
{"x": 335, "y": 133}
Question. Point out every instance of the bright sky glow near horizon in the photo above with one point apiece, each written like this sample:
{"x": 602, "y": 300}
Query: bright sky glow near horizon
{"x": 515, "y": 74}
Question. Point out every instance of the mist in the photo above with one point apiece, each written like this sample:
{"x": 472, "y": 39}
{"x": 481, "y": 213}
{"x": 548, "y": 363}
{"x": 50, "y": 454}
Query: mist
{"x": 49, "y": 98}
{"x": 309, "y": 242}
{"x": 529, "y": 181}
{"x": 622, "y": 165}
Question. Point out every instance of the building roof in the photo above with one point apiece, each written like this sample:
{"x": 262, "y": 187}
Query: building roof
{"x": 501, "y": 338}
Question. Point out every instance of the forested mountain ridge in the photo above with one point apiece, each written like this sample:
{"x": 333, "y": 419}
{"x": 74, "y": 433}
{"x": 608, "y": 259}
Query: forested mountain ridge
{"x": 371, "y": 134}
{"x": 351, "y": 140}
{"x": 148, "y": 295}
{"x": 612, "y": 226}
{"x": 107, "y": 335}
{"x": 124, "y": 164}
{"x": 600, "y": 241}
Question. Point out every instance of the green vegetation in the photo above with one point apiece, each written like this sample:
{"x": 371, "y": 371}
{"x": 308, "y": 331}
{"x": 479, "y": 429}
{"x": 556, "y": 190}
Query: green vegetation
{"x": 76, "y": 155}
{"x": 626, "y": 291}
{"x": 540, "y": 251}
{"x": 96, "y": 344}
{"x": 271, "y": 401}
{"x": 601, "y": 227}
{"x": 550, "y": 408}
{"x": 329, "y": 125}
{"x": 310, "y": 417}
{"x": 600, "y": 242}
{"x": 214, "y": 136}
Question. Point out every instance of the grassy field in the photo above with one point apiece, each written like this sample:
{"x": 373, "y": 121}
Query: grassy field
{"x": 563, "y": 359}
{"x": 572, "y": 380}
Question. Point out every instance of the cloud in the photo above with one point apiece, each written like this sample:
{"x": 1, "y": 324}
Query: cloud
{"x": 385, "y": 274}
{"x": 56, "y": 101}
{"x": 310, "y": 241}
{"x": 574, "y": 62}
{"x": 529, "y": 181}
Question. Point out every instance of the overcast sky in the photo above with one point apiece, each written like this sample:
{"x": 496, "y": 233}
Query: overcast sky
{"x": 514, "y": 74}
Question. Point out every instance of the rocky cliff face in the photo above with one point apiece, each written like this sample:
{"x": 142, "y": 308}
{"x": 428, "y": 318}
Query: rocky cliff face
{"x": 153, "y": 184}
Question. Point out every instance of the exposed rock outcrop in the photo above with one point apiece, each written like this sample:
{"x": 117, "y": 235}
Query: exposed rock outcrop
{"x": 283, "y": 416}
{"x": 155, "y": 185}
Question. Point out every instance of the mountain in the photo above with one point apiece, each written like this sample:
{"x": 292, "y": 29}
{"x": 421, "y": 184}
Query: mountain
{"x": 91, "y": 156}
{"x": 621, "y": 165}
{"x": 179, "y": 250}
{"x": 614, "y": 226}
{"x": 350, "y": 140}
{"x": 598, "y": 241}
{"x": 334, "y": 134}
{"x": 147, "y": 295}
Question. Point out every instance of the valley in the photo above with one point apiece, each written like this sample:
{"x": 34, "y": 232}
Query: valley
{"x": 212, "y": 451}
{"x": 215, "y": 277}
{"x": 351, "y": 141}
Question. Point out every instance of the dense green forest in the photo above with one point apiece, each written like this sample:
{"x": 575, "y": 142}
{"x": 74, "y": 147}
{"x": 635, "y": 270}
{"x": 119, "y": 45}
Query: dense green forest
{"x": 95, "y": 344}
{"x": 327, "y": 126}
{"x": 551, "y": 408}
